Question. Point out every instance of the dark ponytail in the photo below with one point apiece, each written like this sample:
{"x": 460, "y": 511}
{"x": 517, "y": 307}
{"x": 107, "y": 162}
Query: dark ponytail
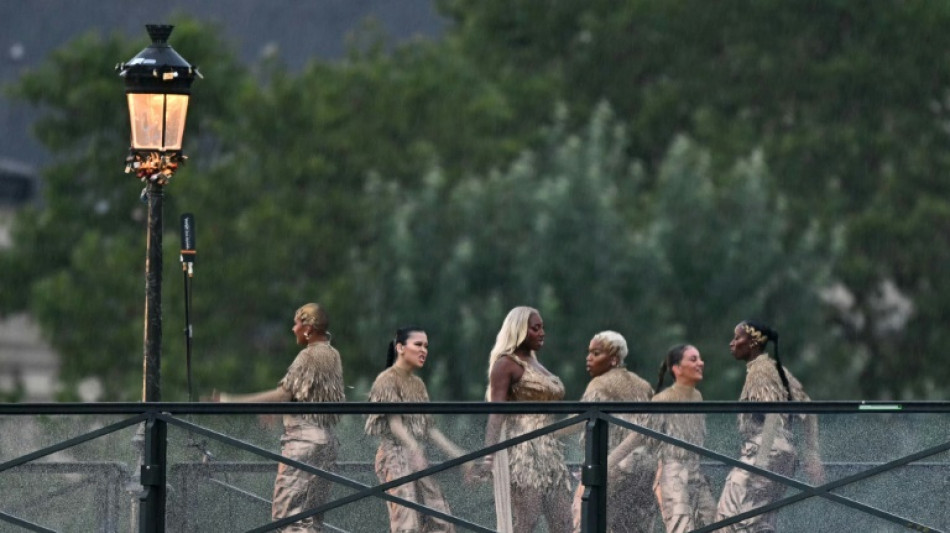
{"x": 391, "y": 354}
{"x": 772, "y": 335}
{"x": 673, "y": 357}
{"x": 402, "y": 335}
{"x": 778, "y": 365}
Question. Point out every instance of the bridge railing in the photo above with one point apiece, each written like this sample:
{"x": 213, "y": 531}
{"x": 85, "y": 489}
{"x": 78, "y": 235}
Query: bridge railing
{"x": 210, "y": 467}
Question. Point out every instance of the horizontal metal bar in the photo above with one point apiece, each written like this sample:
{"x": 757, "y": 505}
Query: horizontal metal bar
{"x": 76, "y": 467}
{"x": 363, "y": 408}
{"x": 262, "y": 467}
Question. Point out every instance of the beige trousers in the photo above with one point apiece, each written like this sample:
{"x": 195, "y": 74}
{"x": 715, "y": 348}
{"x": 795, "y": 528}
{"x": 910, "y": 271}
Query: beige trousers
{"x": 686, "y": 503}
{"x": 745, "y": 491}
{"x": 391, "y": 464}
{"x": 296, "y": 491}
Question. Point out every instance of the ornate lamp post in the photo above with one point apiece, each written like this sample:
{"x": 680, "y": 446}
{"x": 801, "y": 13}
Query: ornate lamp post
{"x": 157, "y": 86}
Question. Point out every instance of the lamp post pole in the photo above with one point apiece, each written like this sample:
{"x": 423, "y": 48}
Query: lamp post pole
{"x": 157, "y": 86}
{"x": 152, "y": 364}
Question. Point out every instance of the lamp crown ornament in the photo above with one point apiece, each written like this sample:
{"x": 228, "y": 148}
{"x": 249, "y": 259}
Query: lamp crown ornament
{"x": 157, "y": 86}
{"x": 159, "y": 32}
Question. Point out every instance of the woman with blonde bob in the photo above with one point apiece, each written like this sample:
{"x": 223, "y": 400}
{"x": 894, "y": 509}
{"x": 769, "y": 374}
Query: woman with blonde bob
{"x": 531, "y": 479}
{"x": 630, "y": 504}
{"x": 316, "y": 375}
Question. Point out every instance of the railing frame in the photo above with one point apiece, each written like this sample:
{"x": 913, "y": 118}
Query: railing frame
{"x": 596, "y": 416}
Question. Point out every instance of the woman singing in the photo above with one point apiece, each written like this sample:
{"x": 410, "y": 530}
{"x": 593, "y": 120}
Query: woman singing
{"x": 403, "y": 436}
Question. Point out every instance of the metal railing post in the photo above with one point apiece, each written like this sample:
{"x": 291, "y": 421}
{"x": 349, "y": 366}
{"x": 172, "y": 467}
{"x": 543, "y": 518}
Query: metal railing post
{"x": 152, "y": 478}
{"x": 594, "y": 477}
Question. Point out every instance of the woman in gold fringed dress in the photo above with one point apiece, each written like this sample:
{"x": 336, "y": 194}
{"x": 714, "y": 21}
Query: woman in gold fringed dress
{"x": 531, "y": 479}
{"x": 316, "y": 375}
{"x": 630, "y": 504}
{"x": 768, "y": 440}
{"x": 402, "y": 436}
{"x": 681, "y": 489}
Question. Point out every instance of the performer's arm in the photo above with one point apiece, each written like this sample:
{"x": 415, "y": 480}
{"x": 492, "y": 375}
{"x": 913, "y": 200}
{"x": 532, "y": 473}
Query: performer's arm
{"x": 812, "y": 460}
{"x": 500, "y": 380}
{"x": 573, "y": 429}
{"x": 448, "y": 447}
{"x": 769, "y": 429}
{"x": 627, "y": 445}
{"x": 503, "y": 374}
{"x": 279, "y": 394}
{"x": 416, "y": 456}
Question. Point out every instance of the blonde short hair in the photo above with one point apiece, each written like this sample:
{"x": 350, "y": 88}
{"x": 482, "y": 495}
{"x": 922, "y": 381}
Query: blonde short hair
{"x": 313, "y": 315}
{"x": 614, "y": 343}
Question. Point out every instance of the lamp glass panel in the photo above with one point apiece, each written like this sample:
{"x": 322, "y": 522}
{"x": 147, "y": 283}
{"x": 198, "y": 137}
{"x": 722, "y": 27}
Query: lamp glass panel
{"x": 175, "y": 115}
{"x": 146, "y": 113}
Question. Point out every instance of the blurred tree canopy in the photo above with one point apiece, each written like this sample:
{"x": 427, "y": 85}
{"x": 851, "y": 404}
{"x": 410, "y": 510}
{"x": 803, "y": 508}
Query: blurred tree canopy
{"x": 664, "y": 169}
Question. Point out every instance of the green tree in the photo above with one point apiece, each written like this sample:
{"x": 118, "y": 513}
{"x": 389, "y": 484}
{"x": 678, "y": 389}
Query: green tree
{"x": 78, "y": 257}
{"x": 848, "y": 105}
{"x": 569, "y": 228}
{"x": 456, "y": 255}
{"x": 723, "y": 240}
{"x": 276, "y": 185}
{"x": 420, "y": 183}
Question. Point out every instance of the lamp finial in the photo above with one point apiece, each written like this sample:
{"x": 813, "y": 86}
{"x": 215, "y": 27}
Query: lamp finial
{"x": 159, "y": 32}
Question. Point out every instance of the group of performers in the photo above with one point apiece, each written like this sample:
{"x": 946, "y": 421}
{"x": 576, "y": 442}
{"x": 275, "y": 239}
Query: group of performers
{"x": 531, "y": 479}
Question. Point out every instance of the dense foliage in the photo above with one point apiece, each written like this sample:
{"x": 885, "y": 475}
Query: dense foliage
{"x": 664, "y": 169}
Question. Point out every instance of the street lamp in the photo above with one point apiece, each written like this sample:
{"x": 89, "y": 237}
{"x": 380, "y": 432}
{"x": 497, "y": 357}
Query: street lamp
{"x": 157, "y": 86}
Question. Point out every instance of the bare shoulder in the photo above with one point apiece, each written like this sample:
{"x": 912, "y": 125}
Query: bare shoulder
{"x": 505, "y": 367}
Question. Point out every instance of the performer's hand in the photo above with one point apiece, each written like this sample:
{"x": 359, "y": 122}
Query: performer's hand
{"x": 613, "y": 461}
{"x": 214, "y": 397}
{"x": 481, "y": 470}
{"x": 268, "y": 421}
{"x": 613, "y": 476}
{"x": 467, "y": 472}
{"x": 417, "y": 460}
{"x": 815, "y": 470}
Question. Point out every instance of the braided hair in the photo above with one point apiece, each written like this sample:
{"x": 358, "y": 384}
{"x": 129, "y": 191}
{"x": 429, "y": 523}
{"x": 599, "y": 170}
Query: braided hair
{"x": 762, "y": 334}
{"x": 673, "y": 357}
{"x": 402, "y": 335}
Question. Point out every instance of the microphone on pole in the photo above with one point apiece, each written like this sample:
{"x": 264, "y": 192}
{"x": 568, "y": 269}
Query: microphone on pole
{"x": 188, "y": 254}
{"x": 188, "y": 243}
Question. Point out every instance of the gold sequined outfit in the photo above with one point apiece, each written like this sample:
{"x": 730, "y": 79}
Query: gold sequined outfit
{"x": 316, "y": 375}
{"x": 396, "y": 385}
{"x": 630, "y": 504}
{"x": 538, "y": 463}
{"x": 744, "y": 491}
{"x": 686, "y": 503}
